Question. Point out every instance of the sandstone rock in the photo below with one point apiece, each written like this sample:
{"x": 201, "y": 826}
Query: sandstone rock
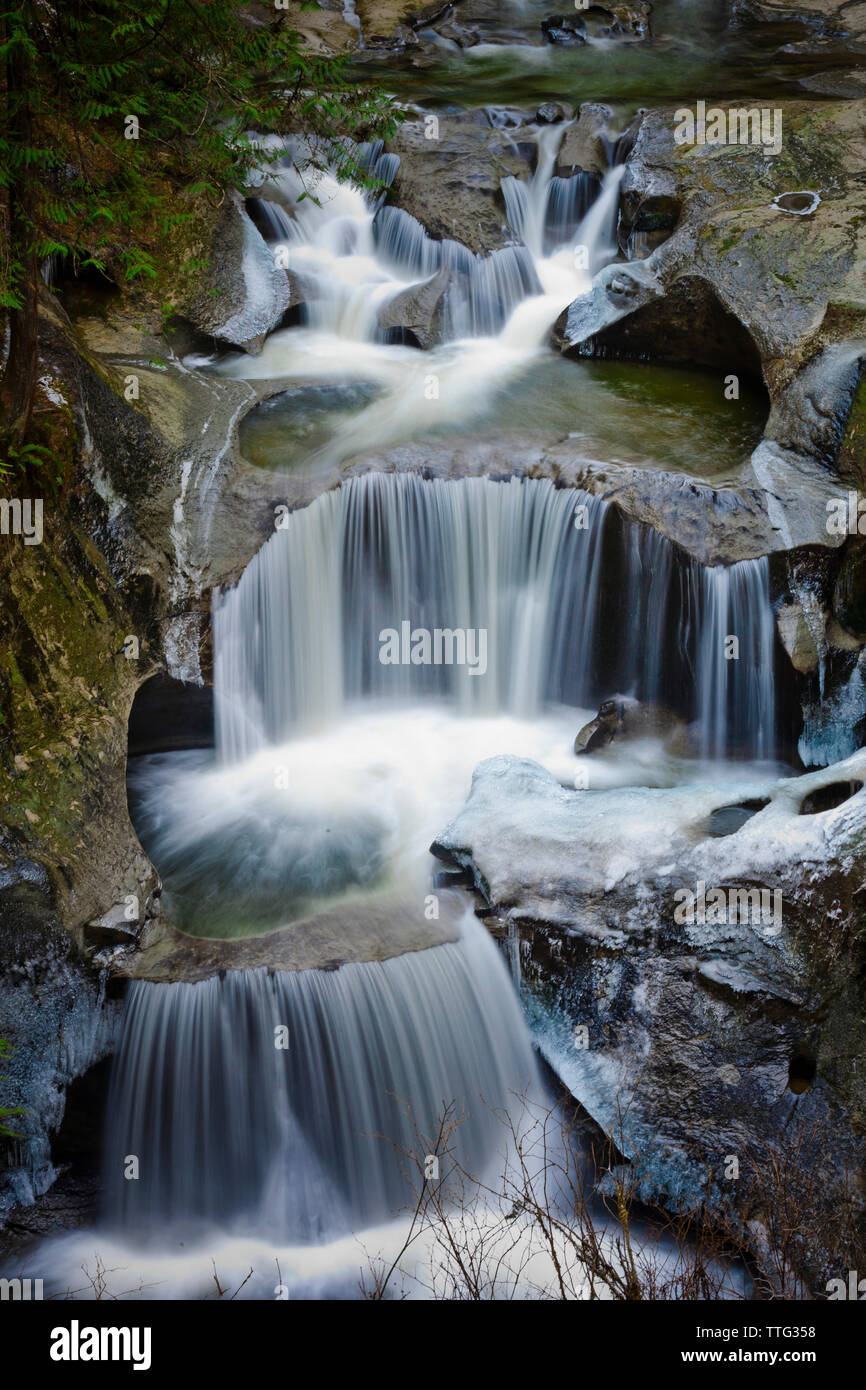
{"x": 797, "y": 638}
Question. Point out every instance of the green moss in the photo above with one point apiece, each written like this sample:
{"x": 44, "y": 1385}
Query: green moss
{"x": 852, "y": 453}
{"x": 63, "y": 690}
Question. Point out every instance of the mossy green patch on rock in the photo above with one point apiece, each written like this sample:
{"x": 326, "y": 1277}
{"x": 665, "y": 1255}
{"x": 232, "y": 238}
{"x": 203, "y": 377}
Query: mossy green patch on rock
{"x": 852, "y": 453}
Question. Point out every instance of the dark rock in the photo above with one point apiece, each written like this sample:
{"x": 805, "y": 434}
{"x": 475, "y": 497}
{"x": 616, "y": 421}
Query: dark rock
{"x": 420, "y": 310}
{"x": 169, "y": 714}
{"x": 551, "y": 113}
{"x": 564, "y": 30}
{"x": 849, "y": 594}
{"x": 623, "y": 718}
{"x": 689, "y": 324}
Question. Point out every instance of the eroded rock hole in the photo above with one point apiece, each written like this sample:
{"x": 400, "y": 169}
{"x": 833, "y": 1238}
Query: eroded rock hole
{"x": 828, "y": 798}
{"x": 169, "y": 714}
{"x": 802, "y": 1070}
{"x": 727, "y": 820}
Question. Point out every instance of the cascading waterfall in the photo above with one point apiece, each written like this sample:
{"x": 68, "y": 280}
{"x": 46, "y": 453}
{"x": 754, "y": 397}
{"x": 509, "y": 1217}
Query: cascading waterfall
{"x": 297, "y": 639}
{"x": 300, "y": 636}
{"x": 738, "y": 631}
{"x": 547, "y": 211}
{"x": 350, "y": 253}
{"x": 297, "y": 1143}
{"x": 232, "y": 1131}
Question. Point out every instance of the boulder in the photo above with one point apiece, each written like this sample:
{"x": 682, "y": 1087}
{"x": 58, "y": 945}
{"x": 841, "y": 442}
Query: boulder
{"x": 676, "y": 1022}
{"x": 797, "y": 638}
{"x": 247, "y": 293}
{"x": 623, "y": 718}
{"x": 587, "y": 141}
{"x": 419, "y": 310}
{"x": 451, "y": 183}
{"x": 565, "y": 30}
{"x": 552, "y": 113}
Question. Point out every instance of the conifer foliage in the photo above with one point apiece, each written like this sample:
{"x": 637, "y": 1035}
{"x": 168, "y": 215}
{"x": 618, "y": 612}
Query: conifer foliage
{"x": 108, "y": 108}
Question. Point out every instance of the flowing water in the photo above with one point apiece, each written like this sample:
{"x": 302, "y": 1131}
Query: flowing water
{"x": 308, "y": 1136}
{"x": 693, "y": 49}
{"x": 342, "y": 748}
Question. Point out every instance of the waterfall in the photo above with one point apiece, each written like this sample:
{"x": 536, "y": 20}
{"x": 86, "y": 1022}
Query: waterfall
{"x": 350, "y": 253}
{"x": 737, "y": 633}
{"x": 575, "y": 605}
{"x": 292, "y": 1143}
{"x": 547, "y": 211}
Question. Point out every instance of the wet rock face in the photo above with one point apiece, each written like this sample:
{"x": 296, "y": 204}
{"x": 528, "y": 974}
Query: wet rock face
{"x": 612, "y": 21}
{"x": 792, "y": 282}
{"x": 53, "y": 1012}
{"x": 849, "y": 593}
{"x": 674, "y": 972}
{"x": 452, "y": 183}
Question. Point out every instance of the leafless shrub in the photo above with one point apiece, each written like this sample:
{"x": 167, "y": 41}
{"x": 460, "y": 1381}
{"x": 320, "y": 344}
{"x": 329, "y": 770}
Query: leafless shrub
{"x": 557, "y": 1222}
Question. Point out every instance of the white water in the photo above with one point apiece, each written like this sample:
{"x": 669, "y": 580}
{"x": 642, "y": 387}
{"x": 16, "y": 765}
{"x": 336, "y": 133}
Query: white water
{"x": 306, "y": 1135}
{"x": 301, "y": 633}
{"x": 246, "y": 1147}
{"x": 351, "y": 256}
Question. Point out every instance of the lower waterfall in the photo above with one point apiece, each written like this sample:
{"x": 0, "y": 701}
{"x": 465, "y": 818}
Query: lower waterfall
{"x": 301, "y": 1142}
